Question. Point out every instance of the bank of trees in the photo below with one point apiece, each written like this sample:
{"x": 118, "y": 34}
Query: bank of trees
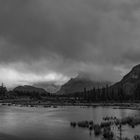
{"x": 3, "y": 91}
{"x": 106, "y": 94}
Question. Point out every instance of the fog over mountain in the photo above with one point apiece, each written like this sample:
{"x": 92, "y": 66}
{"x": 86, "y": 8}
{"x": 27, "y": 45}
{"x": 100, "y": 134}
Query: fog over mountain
{"x": 49, "y": 87}
{"x": 79, "y": 84}
{"x": 53, "y": 41}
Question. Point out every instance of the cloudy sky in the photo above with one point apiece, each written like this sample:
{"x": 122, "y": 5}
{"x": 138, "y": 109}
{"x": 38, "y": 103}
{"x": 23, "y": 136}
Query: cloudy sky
{"x": 54, "y": 40}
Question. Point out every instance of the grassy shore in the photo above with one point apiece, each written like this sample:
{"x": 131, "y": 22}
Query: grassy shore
{"x": 33, "y": 103}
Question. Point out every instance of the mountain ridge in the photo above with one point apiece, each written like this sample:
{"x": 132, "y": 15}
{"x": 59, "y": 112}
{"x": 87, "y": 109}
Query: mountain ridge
{"x": 28, "y": 88}
{"x": 129, "y": 82}
{"x": 78, "y": 84}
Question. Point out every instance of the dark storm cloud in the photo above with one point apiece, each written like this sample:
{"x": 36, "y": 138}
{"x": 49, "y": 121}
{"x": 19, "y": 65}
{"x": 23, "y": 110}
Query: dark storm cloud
{"x": 35, "y": 29}
{"x": 98, "y": 37}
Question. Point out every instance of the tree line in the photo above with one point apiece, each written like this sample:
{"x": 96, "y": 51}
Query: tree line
{"x": 106, "y": 94}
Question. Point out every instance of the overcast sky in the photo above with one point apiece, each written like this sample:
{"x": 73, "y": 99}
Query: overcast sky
{"x": 54, "y": 40}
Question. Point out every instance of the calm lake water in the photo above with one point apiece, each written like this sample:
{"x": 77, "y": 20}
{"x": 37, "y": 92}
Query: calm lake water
{"x": 54, "y": 123}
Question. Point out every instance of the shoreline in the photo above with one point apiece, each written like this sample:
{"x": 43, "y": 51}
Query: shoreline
{"x": 29, "y": 103}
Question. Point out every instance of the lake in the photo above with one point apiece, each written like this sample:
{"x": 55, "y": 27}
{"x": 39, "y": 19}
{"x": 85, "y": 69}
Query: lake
{"x": 54, "y": 123}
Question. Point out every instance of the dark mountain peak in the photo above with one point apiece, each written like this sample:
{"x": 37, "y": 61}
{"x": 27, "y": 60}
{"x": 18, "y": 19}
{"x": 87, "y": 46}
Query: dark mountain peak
{"x": 136, "y": 70}
{"x": 28, "y": 88}
{"x": 130, "y": 81}
{"x": 78, "y": 84}
{"x": 136, "y": 67}
{"x": 133, "y": 75}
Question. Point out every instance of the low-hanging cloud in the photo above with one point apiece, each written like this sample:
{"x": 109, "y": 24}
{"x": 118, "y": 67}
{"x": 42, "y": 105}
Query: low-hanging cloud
{"x": 67, "y": 37}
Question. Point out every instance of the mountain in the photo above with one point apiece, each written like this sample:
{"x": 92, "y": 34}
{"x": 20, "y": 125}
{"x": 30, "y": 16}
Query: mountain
{"x": 49, "y": 87}
{"x": 29, "y": 89}
{"x": 78, "y": 84}
{"x": 130, "y": 82}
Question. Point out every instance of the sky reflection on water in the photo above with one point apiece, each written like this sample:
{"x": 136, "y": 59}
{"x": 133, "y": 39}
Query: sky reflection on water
{"x": 53, "y": 123}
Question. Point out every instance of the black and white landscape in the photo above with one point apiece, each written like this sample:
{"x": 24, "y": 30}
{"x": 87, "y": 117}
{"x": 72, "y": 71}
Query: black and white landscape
{"x": 70, "y": 69}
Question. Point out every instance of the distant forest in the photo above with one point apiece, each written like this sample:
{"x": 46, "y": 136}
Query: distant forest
{"x": 105, "y": 94}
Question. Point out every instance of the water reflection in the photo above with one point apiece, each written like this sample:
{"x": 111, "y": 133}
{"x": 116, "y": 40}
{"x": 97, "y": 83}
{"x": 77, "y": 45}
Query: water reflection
{"x": 53, "y": 123}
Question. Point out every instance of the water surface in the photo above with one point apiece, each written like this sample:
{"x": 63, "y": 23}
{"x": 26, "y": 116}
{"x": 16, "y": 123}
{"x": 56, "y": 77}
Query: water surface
{"x": 54, "y": 123}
